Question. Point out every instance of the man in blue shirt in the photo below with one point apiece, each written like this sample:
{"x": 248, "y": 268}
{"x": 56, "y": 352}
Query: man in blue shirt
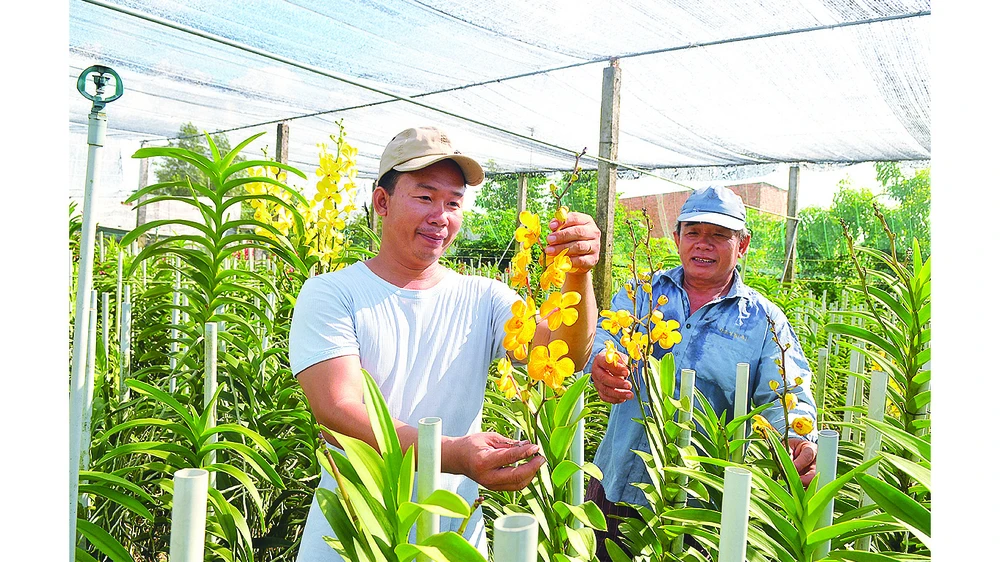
{"x": 722, "y": 322}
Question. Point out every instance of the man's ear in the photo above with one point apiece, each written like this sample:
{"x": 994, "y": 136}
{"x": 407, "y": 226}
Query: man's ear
{"x": 745, "y": 245}
{"x": 380, "y": 201}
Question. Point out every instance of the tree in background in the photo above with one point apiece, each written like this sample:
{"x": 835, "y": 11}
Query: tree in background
{"x": 190, "y": 138}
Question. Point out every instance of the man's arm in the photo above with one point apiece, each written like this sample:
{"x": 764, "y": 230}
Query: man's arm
{"x": 335, "y": 391}
{"x": 581, "y": 239}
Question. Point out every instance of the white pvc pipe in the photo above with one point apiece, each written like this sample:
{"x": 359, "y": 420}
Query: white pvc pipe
{"x": 683, "y": 440}
{"x": 88, "y": 384}
{"x": 740, "y": 403}
{"x": 188, "y": 516}
{"x": 576, "y": 455}
{"x": 873, "y": 438}
{"x": 105, "y": 327}
{"x": 103, "y": 253}
{"x": 175, "y": 318}
{"x": 125, "y": 344}
{"x": 428, "y": 474}
{"x": 820, "y": 394}
{"x": 515, "y": 538}
{"x": 118, "y": 296}
{"x": 826, "y": 472}
{"x": 221, "y": 309}
{"x": 96, "y": 128}
{"x": 735, "y": 515}
{"x": 143, "y": 273}
{"x": 211, "y": 383}
{"x": 851, "y": 397}
{"x": 859, "y": 396}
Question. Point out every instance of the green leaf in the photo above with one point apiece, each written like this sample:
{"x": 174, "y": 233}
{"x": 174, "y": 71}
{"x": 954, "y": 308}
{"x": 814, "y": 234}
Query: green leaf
{"x": 447, "y": 504}
{"x": 567, "y": 402}
{"x": 910, "y": 443}
{"x": 837, "y": 529}
{"x": 919, "y": 473}
{"x": 382, "y": 424}
{"x": 103, "y": 541}
{"x": 124, "y": 500}
{"x": 442, "y": 547}
{"x": 905, "y": 509}
{"x": 166, "y": 399}
{"x": 366, "y": 461}
{"x": 336, "y": 515}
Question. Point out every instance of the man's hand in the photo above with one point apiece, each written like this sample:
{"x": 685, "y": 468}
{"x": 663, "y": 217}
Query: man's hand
{"x": 581, "y": 238}
{"x": 804, "y": 459}
{"x": 489, "y": 459}
{"x": 610, "y": 380}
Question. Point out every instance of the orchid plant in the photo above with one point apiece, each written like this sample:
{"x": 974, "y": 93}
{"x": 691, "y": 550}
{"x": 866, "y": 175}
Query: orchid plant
{"x": 540, "y": 404}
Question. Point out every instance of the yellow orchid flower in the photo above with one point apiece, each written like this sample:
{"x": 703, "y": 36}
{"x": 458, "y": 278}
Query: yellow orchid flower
{"x": 558, "y": 309}
{"x": 791, "y": 401}
{"x": 666, "y": 334}
{"x": 773, "y": 385}
{"x": 802, "y": 425}
{"x": 548, "y": 364}
{"x": 519, "y": 268}
{"x": 507, "y": 383}
{"x": 611, "y": 353}
{"x": 614, "y": 322}
{"x": 662, "y": 300}
{"x": 530, "y": 230}
{"x": 562, "y": 215}
{"x": 636, "y": 345}
{"x": 520, "y": 329}
{"x": 760, "y": 424}
{"x": 555, "y": 273}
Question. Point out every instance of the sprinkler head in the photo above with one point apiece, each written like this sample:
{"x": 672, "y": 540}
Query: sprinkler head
{"x": 101, "y": 75}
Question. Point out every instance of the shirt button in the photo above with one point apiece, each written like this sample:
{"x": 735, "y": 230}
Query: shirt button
{"x": 688, "y": 326}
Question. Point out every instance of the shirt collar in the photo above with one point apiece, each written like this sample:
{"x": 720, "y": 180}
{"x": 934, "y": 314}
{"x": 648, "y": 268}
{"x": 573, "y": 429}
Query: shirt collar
{"x": 676, "y": 276}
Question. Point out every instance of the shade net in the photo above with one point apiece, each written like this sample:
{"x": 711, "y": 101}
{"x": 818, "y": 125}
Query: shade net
{"x": 518, "y": 84}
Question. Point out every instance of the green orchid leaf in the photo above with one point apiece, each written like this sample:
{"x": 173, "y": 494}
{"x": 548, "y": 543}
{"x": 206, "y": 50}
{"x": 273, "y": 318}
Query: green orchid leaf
{"x": 103, "y": 541}
{"x": 905, "y": 509}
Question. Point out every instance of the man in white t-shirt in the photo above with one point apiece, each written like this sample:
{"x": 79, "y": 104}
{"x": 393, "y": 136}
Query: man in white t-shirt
{"x": 426, "y": 334}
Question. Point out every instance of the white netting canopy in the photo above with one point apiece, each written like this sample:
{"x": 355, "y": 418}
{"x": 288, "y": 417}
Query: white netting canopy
{"x": 519, "y": 83}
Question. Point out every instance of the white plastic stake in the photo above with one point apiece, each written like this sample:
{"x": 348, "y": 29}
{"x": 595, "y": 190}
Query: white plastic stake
{"x": 125, "y": 344}
{"x": 873, "y": 438}
{"x": 826, "y": 472}
{"x": 515, "y": 538}
{"x": 175, "y": 318}
{"x": 118, "y": 296}
{"x": 211, "y": 383}
{"x": 103, "y": 254}
{"x": 859, "y": 395}
{"x": 735, "y": 515}
{"x": 820, "y": 395}
{"x": 683, "y": 440}
{"x": 850, "y": 400}
{"x": 88, "y": 384}
{"x": 740, "y": 403}
{"x": 576, "y": 455}
{"x": 187, "y": 519}
{"x": 428, "y": 472}
{"x": 105, "y": 327}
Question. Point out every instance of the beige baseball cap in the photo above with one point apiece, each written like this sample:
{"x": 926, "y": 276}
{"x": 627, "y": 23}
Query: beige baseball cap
{"x": 417, "y": 148}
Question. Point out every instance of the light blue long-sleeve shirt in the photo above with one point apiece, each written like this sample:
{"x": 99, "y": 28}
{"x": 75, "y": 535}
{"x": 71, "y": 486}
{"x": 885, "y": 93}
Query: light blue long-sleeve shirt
{"x": 729, "y": 330}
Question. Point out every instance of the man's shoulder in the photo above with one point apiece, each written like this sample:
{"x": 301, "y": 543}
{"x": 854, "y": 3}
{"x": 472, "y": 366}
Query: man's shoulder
{"x": 755, "y": 300}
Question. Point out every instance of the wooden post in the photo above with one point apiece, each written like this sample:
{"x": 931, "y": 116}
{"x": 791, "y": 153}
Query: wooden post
{"x": 522, "y": 193}
{"x": 281, "y": 149}
{"x": 791, "y": 223}
{"x": 607, "y": 176}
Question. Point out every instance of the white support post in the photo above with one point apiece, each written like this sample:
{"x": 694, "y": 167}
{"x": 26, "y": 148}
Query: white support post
{"x": 118, "y": 296}
{"x": 576, "y": 455}
{"x": 175, "y": 318}
{"x": 515, "y": 538}
{"x": 188, "y": 516}
{"x": 125, "y": 344}
{"x": 105, "y": 326}
{"x": 102, "y": 253}
{"x": 850, "y": 399}
{"x": 88, "y": 393}
{"x": 428, "y": 475}
{"x": 873, "y": 439}
{"x": 826, "y": 472}
{"x": 683, "y": 440}
{"x": 820, "y": 394}
{"x": 741, "y": 404}
{"x": 735, "y": 515}
{"x": 211, "y": 383}
{"x": 859, "y": 394}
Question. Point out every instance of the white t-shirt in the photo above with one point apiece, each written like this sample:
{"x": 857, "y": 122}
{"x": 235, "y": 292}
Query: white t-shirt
{"x": 428, "y": 350}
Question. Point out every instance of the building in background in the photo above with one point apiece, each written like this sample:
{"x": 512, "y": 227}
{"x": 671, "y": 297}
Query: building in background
{"x": 663, "y": 208}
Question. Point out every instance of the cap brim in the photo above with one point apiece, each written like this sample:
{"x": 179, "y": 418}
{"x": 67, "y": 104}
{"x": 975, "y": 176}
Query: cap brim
{"x": 471, "y": 169}
{"x": 726, "y": 221}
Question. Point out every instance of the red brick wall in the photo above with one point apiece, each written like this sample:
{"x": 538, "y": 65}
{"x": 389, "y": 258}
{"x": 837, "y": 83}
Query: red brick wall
{"x": 663, "y": 208}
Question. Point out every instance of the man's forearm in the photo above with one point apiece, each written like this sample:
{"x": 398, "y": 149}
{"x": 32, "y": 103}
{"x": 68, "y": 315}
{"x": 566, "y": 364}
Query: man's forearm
{"x": 580, "y": 336}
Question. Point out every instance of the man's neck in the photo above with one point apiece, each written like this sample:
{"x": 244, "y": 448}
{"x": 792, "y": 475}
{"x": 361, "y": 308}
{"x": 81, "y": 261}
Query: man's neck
{"x": 700, "y": 295}
{"x": 403, "y": 275}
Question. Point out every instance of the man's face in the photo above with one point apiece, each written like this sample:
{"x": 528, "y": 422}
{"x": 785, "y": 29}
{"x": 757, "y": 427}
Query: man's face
{"x": 709, "y": 253}
{"x": 424, "y": 213}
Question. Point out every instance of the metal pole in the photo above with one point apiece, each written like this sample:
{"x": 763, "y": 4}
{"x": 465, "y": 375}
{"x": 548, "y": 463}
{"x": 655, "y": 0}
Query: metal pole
{"x": 96, "y": 129}
{"x": 826, "y": 472}
{"x": 428, "y": 472}
{"x": 740, "y": 403}
{"x": 735, "y": 515}
{"x": 188, "y": 516}
{"x": 515, "y": 538}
